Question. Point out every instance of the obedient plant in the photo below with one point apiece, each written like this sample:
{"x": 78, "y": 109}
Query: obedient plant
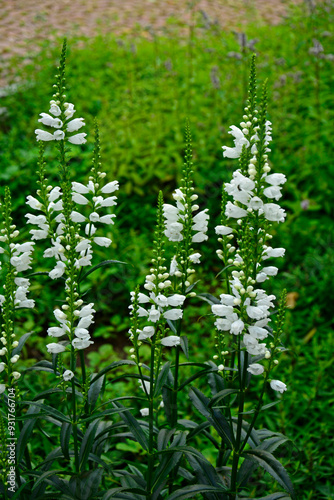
{"x": 68, "y": 221}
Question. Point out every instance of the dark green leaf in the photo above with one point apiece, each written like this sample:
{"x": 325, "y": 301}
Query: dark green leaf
{"x": 94, "y": 392}
{"x": 184, "y": 346}
{"x": 87, "y": 443}
{"x": 56, "y": 414}
{"x": 110, "y": 367}
{"x": 207, "y": 297}
{"x": 25, "y": 433}
{"x": 21, "y": 343}
{"x": 162, "y": 377}
{"x": 193, "y": 490}
{"x": 134, "y": 426}
{"x": 101, "y": 264}
{"x": 86, "y": 485}
{"x": 271, "y": 465}
{"x": 221, "y": 395}
{"x": 65, "y": 435}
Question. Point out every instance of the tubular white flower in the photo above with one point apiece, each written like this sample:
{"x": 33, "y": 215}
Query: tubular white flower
{"x": 145, "y": 412}
{"x": 78, "y": 139}
{"x": 234, "y": 211}
{"x": 80, "y": 188}
{"x": 147, "y": 333}
{"x": 277, "y": 385}
{"x": 273, "y": 212}
{"x": 54, "y": 109}
{"x": 102, "y": 242}
{"x": 54, "y": 348}
{"x": 33, "y": 203}
{"x": 75, "y": 124}
{"x": 68, "y": 375}
{"x": 110, "y": 187}
{"x": 171, "y": 341}
{"x": 223, "y": 230}
{"x": 77, "y": 217}
{"x": 78, "y": 198}
{"x": 255, "y": 369}
{"x": 41, "y": 135}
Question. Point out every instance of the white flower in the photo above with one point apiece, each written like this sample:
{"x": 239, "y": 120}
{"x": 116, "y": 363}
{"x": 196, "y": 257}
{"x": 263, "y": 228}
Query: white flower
{"x": 222, "y": 310}
{"x": 273, "y": 192}
{"x": 171, "y": 341}
{"x": 270, "y": 270}
{"x": 277, "y": 385}
{"x": 173, "y": 231}
{"x": 273, "y": 252}
{"x": 41, "y": 135}
{"x": 54, "y": 194}
{"x": 108, "y": 202}
{"x": 2, "y": 367}
{"x": 252, "y": 345}
{"x": 255, "y": 203}
{"x": 257, "y": 332}
{"x": 176, "y": 300}
{"x": 78, "y": 198}
{"x": 234, "y": 211}
{"x": 102, "y": 242}
{"x": 275, "y": 179}
{"x": 59, "y": 135}
{"x": 50, "y": 121}
{"x": 75, "y": 124}
{"x": 145, "y": 412}
{"x": 81, "y": 343}
{"x": 154, "y": 314}
{"x": 107, "y": 219}
{"x": 77, "y": 139}
{"x": 86, "y": 310}
{"x": 199, "y": 237}
{"x": 33, "y": 203}
{"x": 54, "y": 109}
{"x": 194, "y": 258}
{"x": 60, "y": 316}
{"x": 80, "y": 188}
{"x": 173, "y": 314}
{"x": 55, "y": 348}
{"x": 69, "y": 110}
{"x": 110, "y": 187}
{"x": 239, "y": 141}
{"x": 68, "y": 375}
{"x": 273, "y": 212}
{"x": 2, "y": 388}
{"x": 56, "y": 331}
{"x": 77, "y": 217}
{"x": 255, "y": 369}
{"x": 94, "y": 217}
{"x": 223, "y": 230}
{"x": 16, "y": 375}
{"x": 255, "y": 312}
{"x": 237, "y": 327}
{"x": 147, "y": 333}
{"x": 57, "y": 271}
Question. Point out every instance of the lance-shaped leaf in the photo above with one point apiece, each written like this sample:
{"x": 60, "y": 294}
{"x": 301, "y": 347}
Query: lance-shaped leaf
{"x": 271, "y": 465}
{"x": 134, "y": 426}
{"x": 197, "y": 489}
{"x": 101, "y": 264}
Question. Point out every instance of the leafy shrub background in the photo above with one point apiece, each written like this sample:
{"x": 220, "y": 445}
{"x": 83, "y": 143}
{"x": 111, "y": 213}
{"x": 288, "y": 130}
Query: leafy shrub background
{"x": 142, "y": 91}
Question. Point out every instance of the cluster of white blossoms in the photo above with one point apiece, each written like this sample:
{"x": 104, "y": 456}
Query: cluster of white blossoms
{"x": 93, "y": 195}
{"x": 19, "y": 257}
{"x": 83, "y": 318}
{"x": 64, "y": 126}
{"x": 158, "y": 307}
{"x": 177, "y": 219}
{"x": 245, "y": 311}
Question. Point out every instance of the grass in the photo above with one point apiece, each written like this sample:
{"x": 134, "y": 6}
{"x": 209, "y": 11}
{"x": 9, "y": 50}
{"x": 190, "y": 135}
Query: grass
{"x": 141, "y": 92}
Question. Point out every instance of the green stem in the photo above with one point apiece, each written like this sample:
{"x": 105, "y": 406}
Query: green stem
{"x": 150, "y": 423}
{"x": 74, "y": 416}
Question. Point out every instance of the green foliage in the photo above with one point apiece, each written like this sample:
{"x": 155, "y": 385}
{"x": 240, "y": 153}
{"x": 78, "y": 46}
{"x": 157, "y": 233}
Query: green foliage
{"x": 142, "y": 99}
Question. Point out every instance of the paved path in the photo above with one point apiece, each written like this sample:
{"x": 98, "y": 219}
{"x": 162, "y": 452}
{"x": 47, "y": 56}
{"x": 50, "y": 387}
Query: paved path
{"x": 25, "y": 23}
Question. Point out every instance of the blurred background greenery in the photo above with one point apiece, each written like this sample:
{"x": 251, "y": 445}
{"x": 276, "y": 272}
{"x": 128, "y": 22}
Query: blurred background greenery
{"x": 142, "y": 87}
